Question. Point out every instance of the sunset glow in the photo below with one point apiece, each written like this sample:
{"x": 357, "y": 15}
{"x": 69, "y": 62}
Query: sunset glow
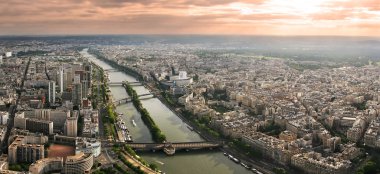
{"x": 256, "y": 17}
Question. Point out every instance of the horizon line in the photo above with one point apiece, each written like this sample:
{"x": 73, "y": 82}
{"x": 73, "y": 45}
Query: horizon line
{"x": 189, "y": 34}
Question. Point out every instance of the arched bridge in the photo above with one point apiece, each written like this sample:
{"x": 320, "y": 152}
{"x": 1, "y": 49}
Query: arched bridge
{"x": 128, "y": 99}
{"x": 111, "y": 70}
{"x": 175, "y": 146}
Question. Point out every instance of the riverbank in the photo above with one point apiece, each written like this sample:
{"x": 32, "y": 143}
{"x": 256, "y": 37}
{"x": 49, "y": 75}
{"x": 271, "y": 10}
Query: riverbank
{"x": 100, "y": 98}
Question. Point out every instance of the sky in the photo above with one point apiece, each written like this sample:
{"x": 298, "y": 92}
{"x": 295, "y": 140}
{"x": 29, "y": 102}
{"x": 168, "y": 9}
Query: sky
{"x": 215, "y": 17}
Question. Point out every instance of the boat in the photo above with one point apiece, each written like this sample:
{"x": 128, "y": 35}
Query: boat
{"x": 225, "y": 154}
{"x": 133, "y": 122}
{"x": 190, "y": 128}
{"x": 159, "y": 162}
{"x": 129, "y": 138}
{"x": 235, "y": 160}
{"x": 244, "y": 165}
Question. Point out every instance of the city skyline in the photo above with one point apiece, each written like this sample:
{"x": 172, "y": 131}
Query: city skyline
{"x": 247, "y": 17}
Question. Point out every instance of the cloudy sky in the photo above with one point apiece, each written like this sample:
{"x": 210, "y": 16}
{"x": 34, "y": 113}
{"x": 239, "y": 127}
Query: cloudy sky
{"x": 255, "y": 17}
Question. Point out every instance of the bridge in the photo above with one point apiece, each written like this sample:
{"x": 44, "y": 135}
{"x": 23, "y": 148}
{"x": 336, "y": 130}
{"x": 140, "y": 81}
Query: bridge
{"x": 111, "y": 70}
{"x": 170, "y": 148}
{"x": 128, "y": 99}
{"x": 121, "y": 83}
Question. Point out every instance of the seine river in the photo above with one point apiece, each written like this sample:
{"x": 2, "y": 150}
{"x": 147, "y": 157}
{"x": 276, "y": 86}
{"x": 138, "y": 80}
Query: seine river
{"x": 193, "y": 162}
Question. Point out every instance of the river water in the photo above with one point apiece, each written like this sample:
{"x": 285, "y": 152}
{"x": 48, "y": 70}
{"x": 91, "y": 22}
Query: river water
{"x": 193, "y": 162}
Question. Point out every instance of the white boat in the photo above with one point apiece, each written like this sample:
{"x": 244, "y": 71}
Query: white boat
{"x": 133, "y": 122}
{"x": 128, "y": 138}
{"x": 190, "y": 128}
{"x": 159, "y": 162}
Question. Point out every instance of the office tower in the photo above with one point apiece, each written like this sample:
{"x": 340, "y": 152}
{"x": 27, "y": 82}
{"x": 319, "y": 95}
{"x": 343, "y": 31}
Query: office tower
{"x": 51, "y": 96}
{"x": 60, "y": 82}
{"x": 42, "y": 126}
{"x": 77, "y": 94}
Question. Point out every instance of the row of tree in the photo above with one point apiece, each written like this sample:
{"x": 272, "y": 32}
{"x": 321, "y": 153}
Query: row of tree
{"x": 157, "y": 134}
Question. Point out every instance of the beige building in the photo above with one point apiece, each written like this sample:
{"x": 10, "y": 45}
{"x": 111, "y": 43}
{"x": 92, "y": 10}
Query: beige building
{"x": 314, "y": 163}
{"x": 71, "y": 126}
{"x": 47, "y": 165}
{"x": 80, "y": 163}
{"x": 287, "y": 136}
{"x": 20, "y": 151}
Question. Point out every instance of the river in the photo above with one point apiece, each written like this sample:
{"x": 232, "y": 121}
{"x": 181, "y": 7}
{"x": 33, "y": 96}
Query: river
{"x": 193, "y": 162}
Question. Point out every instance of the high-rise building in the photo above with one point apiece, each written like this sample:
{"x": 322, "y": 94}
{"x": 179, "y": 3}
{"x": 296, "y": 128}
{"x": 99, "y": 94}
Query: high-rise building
{"x": 77, "y": 94}
{"x": 58, "y": 117}
{"x": 60, "y": 82}
{"x": 20, "y": 151}
{"x": 43, "y": 114}
{"x": 51, "y": 96}
{"x": 42, "y": 126}
{"x": 88, "y": 69}
{"x": 71, "y": 126}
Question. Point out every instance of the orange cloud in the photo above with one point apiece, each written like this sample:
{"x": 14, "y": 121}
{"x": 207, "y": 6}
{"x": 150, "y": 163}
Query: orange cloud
{"x": 258, "y": 17}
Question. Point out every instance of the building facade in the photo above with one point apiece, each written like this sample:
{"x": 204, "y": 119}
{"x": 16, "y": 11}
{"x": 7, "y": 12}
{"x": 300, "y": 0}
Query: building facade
{"x": 80, "y": 163}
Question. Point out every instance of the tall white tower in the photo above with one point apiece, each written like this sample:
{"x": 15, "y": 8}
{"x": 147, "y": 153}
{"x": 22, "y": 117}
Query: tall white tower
{"x": 60, "y": 79}
{"x": 51, "y": 92}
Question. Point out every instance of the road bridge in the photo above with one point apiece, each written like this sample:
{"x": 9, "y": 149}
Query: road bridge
{"x": 129, "y": 99}
{"x": 174, "y": 146}
{"x": 121, "y": 83}
{"x": 111, "y": 70}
